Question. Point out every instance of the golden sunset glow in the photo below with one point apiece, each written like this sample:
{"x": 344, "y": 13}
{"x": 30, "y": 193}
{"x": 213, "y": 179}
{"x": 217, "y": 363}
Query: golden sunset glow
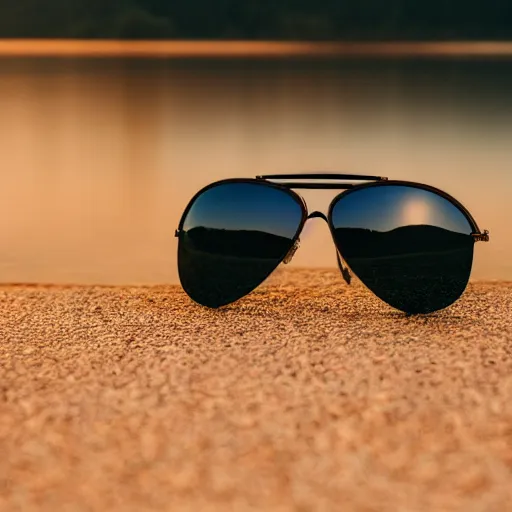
{"x": 246, "y": 49}
{"x": 415, "y": 212}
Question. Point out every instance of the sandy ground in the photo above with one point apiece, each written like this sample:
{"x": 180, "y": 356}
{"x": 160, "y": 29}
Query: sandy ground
{"x": 307, "y": 395}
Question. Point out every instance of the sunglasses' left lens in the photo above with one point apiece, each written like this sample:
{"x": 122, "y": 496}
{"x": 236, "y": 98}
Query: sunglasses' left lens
{"x": 232, "y": 238}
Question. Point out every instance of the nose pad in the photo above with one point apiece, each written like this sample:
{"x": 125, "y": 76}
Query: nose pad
{"x": 289, "y": 256}
{"x": 344, "y": 270}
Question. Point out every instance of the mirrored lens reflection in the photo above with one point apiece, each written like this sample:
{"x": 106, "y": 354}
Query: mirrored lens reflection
{"x": 234, "y": 236}
{"x": 411, "y": 247}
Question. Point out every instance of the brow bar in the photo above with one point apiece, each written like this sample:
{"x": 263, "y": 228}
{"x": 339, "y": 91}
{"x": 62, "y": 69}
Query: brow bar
{"x": 321, "y": 176}
{"x": 318, "y": 186}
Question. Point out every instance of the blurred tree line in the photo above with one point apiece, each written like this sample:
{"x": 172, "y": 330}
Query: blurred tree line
{"x": 258, "y": 19}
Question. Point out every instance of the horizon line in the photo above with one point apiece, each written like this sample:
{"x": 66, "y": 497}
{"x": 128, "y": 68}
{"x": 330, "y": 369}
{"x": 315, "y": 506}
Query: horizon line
{"x": 63, "y": 285}
{"x": 248, "y": 48}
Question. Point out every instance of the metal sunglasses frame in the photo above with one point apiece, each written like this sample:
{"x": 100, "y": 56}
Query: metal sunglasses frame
{"x": 282, "y": 182}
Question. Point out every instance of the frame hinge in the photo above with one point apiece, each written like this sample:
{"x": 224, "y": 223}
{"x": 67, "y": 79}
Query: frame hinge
{"x": 291, "y": 252}
{"x": 481, "y": 237}
{"x": 177, "y": 232}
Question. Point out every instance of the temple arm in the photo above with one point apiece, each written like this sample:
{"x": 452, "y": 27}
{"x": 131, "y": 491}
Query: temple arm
{"x": 481, "y": 237}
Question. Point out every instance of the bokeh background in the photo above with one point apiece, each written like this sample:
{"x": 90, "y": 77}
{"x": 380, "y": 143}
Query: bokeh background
{"x": 101, "y": 155}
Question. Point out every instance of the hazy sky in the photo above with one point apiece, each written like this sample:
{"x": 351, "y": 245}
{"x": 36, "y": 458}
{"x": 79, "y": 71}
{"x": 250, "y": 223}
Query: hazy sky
{"x": 100, "y": 160}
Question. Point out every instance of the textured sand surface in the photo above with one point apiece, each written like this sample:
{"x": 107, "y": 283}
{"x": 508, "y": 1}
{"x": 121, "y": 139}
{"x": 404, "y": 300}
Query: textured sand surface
{"x": 306, "y": 395}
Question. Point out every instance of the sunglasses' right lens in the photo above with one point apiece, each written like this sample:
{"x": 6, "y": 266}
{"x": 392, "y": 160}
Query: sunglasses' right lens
{"x": 233, "y": 237}
{"x": 411, "y": 246}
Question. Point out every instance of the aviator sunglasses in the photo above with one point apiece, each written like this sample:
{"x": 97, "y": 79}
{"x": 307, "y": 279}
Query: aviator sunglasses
{"x": 409, "y": 243}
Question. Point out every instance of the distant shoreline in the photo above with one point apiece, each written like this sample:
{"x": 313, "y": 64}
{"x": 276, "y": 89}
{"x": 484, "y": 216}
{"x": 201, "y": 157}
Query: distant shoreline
{"x": 249, "y": 49}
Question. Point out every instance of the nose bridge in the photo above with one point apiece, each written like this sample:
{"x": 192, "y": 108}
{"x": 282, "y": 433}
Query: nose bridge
{"x": 344, "y": 270}
{"x": 317, "y": 214}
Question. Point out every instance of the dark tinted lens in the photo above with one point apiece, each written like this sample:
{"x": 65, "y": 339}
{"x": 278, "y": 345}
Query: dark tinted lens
{"x": 234, "y": 236}
{"x": 413, "y": 248}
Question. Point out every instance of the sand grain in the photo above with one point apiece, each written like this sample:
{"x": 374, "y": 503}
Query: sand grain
{"x": 306, "y": 395}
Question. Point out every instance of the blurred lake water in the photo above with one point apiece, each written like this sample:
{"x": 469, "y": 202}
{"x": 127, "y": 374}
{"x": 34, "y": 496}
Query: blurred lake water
{"x": 100, "y": 156}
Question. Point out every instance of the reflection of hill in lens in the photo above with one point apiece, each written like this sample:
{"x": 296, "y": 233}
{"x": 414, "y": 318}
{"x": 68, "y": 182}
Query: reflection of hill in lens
{"x": 417, "y": 269}
{"x": 359, "y": 242}
{"x": 219, "y": 266}
{"x": 239, "y": 243}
